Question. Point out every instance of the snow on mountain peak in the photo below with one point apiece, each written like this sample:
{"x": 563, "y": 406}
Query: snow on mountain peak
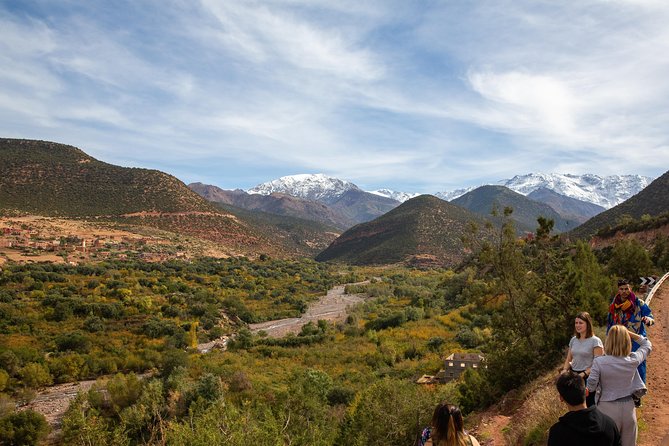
{"x": 309, "y": 186}
{"x": 605, "y": 191}
{"x": 394, "y": 195}
{"x": 452, "y": 195}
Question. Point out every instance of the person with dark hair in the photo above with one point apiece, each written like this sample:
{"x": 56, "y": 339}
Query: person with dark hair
{"x": 631, "y": 312}
{"x": 584, "y": 346}
{"x": 619, "y": 378}
{"x": 447, "y": 428}
{"x": 581, "y": 426}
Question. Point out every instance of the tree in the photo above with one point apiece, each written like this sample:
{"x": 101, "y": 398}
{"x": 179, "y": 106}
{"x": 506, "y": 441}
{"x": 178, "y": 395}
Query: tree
{"x": 23, "y": 428}
{"x": 387, "y": 412}
{"x": 629, "y": 260}
{"x": 538, "y": 288}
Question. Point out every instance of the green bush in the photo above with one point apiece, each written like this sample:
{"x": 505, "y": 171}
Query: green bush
{"x": 23, "y": 428}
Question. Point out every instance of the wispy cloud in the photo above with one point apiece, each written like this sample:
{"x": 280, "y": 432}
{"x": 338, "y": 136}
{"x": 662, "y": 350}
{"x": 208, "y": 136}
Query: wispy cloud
{"x": 430, "y": 96}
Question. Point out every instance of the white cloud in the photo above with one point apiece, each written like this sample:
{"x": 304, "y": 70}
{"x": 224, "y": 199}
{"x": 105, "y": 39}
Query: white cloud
{"x": 536, "y": 102}
{"x": 381, "y": 92}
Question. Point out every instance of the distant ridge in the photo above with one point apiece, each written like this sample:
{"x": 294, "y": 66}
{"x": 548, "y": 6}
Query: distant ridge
{"x": 422, "y": 231}
{"x": 484, "y": 199}
{"x": 569, "y": 208}
{"x": 343, "y": 197}
{"x": 317, "y": 186}
{"x": 275, "y": 203}
{"x": 653, "y": 200}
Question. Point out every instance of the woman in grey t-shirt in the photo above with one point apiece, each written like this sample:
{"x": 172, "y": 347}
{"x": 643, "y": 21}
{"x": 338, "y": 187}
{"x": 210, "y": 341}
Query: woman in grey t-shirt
{"x": 584, "y": 346}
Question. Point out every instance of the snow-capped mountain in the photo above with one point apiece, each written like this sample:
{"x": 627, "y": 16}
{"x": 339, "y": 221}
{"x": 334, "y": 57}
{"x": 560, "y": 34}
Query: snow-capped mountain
{"x": 452, "y": 195}
{"x": 604, "y": 191}
{"x": 309, "y": 186}
{"x": 394, "y": 195}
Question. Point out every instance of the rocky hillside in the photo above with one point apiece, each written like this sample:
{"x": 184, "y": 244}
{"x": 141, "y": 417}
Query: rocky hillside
{"x": 422, "y": 231}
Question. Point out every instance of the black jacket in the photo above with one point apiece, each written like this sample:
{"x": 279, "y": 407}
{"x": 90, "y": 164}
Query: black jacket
{"x": 587, "y": 427}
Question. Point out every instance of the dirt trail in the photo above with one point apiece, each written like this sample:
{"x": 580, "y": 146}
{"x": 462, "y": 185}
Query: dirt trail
{"x": 655, "y": 411}
{"x": 331, "y": 307}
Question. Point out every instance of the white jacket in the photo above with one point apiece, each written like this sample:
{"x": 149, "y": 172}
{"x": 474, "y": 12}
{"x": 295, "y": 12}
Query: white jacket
{"x": 617, "y": 375}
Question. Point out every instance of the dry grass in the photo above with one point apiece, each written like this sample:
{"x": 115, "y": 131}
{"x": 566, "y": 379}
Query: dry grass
{"x": 539, "y": 411}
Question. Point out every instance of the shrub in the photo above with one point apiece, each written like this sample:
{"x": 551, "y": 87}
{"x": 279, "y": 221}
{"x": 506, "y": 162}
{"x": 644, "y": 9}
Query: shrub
{"x": 4, "y": 380}
{"x": 23, "y": 428}
{"x": 94, "y": 324}
{"x": 35, "y": 375}
{"x": 75, "y": 341}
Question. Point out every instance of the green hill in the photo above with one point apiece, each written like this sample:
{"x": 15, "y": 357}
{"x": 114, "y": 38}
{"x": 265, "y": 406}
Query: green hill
{"x": 423, "y": 230}
{"x": 653, "y": 201}
{"x": 47, "y": 178}
{"x": 484, "y": 199}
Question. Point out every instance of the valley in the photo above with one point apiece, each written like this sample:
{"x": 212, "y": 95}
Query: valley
{"x": 318, "y": 314}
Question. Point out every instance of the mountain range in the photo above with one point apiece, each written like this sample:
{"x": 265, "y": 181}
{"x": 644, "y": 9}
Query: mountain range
{"x": 605, "y": 192}
{"x": 303, "y": 215}
{"x": 342, "y": 204}
{"x": 317, "y": 197}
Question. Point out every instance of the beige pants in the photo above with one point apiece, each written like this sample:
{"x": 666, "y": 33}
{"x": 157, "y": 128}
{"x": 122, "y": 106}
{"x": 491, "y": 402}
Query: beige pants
{"x": 624, "y": 414}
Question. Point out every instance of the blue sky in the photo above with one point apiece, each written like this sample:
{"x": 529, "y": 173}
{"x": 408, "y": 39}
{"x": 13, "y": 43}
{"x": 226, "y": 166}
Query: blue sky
{"x": 417, "y": 96}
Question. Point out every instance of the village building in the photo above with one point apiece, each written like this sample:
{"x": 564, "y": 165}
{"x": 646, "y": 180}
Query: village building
{"x": 454, "y": 366}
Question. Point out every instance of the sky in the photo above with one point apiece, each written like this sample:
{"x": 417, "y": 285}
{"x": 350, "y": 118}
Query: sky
{"x": 416, "y": 96}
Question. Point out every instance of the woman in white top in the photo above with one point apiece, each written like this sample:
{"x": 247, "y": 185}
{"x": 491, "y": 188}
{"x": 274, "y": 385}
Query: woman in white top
{"x": 584, "y": 347}
{"x": 619, "y": 379}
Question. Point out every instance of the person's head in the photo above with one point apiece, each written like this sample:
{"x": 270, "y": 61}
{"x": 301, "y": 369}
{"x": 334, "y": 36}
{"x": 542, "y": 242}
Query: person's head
{"x": 448, "y": 425}
{"x": 618, "y": 342}
{"x": 624, "y": 288}
{"x": 571, "y": 388}
{"x": 583, "y": 325}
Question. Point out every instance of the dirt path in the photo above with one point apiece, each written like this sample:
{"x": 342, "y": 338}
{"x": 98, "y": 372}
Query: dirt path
{"x": 655, "y": 411}
{"x": 331, "y": 307}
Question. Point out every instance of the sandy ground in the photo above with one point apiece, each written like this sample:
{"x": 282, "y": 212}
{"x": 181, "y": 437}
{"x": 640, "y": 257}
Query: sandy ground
{"x": 331, "y": 307}
{"x": 655, "y": 411}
